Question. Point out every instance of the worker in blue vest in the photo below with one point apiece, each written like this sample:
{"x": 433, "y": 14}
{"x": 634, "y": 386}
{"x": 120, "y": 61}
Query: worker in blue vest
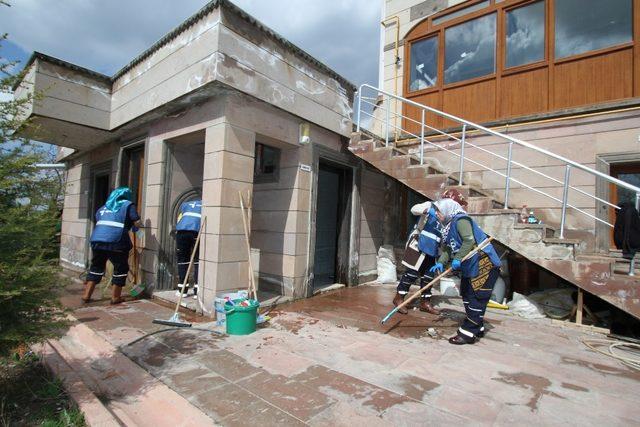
{"x": 187, "y": 229}
{"x": 110, "y": 241}
{"x": 421, "y": 251}
{"x": 478, "y": 274}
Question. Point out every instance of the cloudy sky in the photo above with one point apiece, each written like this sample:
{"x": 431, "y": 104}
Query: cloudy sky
{"x": 106, "y": 35}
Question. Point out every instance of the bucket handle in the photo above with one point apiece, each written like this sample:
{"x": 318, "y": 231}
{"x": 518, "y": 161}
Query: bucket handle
{"x": 229, "y": 311}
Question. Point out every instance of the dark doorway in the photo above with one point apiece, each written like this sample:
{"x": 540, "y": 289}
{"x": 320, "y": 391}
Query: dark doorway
{"x": 332, "y": 225}
{"x": 100, "y": 192}
{"x": 627, "y": 172}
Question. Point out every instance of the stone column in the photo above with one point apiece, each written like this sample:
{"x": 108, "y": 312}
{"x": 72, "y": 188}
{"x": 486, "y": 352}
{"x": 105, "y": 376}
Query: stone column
{"x": 155, "y": 164}
{"x": 228, "y": 169}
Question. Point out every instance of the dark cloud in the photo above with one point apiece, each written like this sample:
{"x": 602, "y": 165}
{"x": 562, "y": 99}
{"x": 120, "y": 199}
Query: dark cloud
{"x": 106, "y": 35}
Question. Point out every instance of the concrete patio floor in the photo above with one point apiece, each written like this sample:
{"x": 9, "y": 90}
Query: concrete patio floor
{"x": 327, "y": 361}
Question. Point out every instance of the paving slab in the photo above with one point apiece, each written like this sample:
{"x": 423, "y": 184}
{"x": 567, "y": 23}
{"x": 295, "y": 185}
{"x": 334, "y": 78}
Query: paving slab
{"x": 327, "y": 360}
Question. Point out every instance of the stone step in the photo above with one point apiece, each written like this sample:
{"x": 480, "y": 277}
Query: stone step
{"x": 378, "y": 154}
{"x": 431, "y": 186}
{"x": 479, "y": 205}
{"x": 393, "y": 165}
{"x": 362, "y": 147}
{"x": 413, "y": 172}
{"x": 548, "y": 231}
{"x": 130, "y": 393}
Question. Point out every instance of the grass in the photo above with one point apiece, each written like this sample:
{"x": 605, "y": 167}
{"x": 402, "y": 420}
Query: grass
{"x": 32, "y": 396}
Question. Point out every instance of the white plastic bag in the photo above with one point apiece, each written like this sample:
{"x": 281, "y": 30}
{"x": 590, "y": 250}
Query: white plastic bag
{"x": 449, "y": 286}
{"x": 386, "y": 265}
{"x": 524, "y": 307}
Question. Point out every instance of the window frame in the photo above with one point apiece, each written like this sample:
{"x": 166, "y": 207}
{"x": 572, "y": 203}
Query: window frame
{"x": 496, "y": 67}
{"x": 263, "y": 178}
{"x": 532, "y": 65}
{"x": 408, "y": 80}
{"x": 597, "y": 52}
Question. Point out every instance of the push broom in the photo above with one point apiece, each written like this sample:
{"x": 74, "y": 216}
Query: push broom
{"x": 175, "y": 319}
{"x": 434, "y": 281}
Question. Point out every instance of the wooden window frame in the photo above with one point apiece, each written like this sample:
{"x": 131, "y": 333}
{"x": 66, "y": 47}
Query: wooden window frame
{"x": 533, "y": 65}
{"x": 425, "y": 29}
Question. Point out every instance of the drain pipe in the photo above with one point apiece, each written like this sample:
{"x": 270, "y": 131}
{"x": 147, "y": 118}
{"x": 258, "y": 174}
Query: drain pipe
{"x": 396, "y": 62}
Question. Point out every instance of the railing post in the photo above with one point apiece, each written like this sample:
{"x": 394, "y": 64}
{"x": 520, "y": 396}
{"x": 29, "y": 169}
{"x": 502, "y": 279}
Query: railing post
{"x": 507, "y": 185}
{"x": 388, "y": 111}
{"x": 359, "y": 92}
{"x": 422, "y": 140}
{"x": 638, "y": 201}
{"x": 462, "y": 143}
{"x": 565, "y": 199}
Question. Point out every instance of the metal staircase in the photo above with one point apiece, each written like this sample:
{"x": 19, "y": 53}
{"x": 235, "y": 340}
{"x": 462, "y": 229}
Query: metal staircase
{"x": 415, "y": 160}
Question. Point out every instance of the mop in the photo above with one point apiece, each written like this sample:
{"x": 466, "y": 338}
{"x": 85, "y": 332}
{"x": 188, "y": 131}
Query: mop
{"x": 434, "y": 281}
{"x": 175, "y": 319}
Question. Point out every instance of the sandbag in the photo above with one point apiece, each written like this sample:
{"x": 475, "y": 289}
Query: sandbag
{"x": 386, "y": 265}
{"x": 524, "y": 307}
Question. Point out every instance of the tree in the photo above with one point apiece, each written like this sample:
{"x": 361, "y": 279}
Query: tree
{"x": 29, "y": 216}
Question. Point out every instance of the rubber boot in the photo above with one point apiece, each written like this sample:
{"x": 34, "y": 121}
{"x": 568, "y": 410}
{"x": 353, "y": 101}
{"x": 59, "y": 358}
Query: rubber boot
{"x": 116, "y": 297}
{"x": 88, "y": 290}
{"x": 397, "y": 300}
{"x": 425, "y": 305}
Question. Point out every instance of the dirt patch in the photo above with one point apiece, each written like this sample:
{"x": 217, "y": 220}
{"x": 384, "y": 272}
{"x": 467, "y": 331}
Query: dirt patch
{"x": 417, "y": 388}
{"x": 603, "y": 369}
{"x": 539, "y": 386}
{"x": 570, "y": 386}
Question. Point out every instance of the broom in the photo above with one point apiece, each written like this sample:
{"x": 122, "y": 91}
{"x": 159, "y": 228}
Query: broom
{"x": 175, "y": 319}
{"x": 434, "y": 281}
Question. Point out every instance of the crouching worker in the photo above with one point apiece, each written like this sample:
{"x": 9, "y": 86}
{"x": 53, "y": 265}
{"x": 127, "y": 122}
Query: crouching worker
{"x": 420, "y": 255}
{"x": 479, "y": 273}
{"x": 187, "y": 229}
{"x": 110, "y": 241}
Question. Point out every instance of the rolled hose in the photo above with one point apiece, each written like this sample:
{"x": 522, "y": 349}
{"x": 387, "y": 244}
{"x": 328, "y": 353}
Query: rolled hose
{"x": 597, "y": 344}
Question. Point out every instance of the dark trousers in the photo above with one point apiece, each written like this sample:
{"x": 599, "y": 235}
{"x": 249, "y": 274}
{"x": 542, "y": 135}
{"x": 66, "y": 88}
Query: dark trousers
{"x": 185, "y": 241}
{"x": 475, "y": 304}
{"x": 410, "y": 276}
{"x": 120, "y": 261}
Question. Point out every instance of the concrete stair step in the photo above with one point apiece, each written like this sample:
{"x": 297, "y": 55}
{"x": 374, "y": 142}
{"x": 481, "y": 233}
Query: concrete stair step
{"x": 479, "y": 204}
{"x": 548, "y": 231}
{"x": 393, "y": 165}
{"x": 431, "y": 185}
{"x": 413, "y": 172}
{"x": 378, "y": 154}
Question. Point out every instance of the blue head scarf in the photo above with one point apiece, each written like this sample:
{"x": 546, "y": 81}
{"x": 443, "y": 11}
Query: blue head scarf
{"x": 118, "y": 197}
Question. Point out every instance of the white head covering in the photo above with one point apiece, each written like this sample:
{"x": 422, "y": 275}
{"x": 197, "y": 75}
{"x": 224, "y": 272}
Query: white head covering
{"x": 448, "y": 208}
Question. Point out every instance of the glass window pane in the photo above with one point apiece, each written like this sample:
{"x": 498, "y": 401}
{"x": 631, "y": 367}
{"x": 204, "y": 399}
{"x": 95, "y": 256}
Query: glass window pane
{"x": 586, "y": 25}
{"x": 461, "y": 12}
{"x": 424, "y": 64}
{"x": 470, "y": 49}
{"x": 525, "y": 35}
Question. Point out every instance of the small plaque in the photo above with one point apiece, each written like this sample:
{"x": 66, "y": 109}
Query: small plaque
{"x": 306, "y": 168}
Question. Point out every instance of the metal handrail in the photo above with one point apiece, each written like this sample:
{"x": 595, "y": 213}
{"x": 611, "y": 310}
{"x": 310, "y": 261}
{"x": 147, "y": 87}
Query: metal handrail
{"x": 569, "y": 164}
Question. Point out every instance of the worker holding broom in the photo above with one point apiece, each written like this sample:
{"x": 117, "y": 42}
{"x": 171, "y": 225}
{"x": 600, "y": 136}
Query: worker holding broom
{"x": 421, "y": 252}
{"x": 479, "y": 272}
{"x": 110, "y": 241}
{"x": 186, "y": 234}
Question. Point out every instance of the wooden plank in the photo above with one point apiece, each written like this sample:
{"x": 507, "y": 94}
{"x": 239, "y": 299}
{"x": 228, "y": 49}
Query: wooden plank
{"x": 580, "y": 307}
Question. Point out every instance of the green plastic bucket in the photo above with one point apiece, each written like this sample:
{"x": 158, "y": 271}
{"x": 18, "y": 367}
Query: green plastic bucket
{"x": 241, "y": 320}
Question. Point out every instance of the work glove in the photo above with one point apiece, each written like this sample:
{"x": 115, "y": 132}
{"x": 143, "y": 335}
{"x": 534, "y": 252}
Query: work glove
{"x": 139, "y": 232}
{"x": 455, "y": 264}
{"x": 437, "y": 268}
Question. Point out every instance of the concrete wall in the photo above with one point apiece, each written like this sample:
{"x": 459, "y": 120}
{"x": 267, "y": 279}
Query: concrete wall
{"x": 77, "y": 215}
{"x": 372, "y": 215}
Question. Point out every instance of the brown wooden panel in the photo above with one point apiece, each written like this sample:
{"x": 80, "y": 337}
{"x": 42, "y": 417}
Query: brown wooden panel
{"x": 524, "y": 93}
{"x": 431, "y": 100}
{"x": 475, "y": 102}
{"x": 595, "y": 79}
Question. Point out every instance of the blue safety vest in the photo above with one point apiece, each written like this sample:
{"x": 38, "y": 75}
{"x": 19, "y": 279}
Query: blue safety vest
{"x": 430, "y": 236}
{"x": 110, "y": 225}
{"x": 469, "y": 268}
{"x": 190, "y": 213}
